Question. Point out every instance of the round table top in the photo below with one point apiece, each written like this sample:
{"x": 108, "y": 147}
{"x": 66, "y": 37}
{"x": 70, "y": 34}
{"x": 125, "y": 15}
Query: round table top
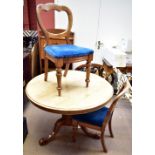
{"x": 75, "y": 98}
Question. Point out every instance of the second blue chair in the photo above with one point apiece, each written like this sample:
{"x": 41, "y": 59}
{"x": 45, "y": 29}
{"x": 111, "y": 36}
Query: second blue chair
{"x": 99, "y": 119}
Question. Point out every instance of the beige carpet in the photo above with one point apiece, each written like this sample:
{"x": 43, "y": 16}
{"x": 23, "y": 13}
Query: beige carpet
{"x": 40, "y": 123}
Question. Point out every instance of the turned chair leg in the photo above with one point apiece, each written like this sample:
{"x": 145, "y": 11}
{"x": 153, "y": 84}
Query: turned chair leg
{"x": 41, "y": 67}
{"x": 87, "y": 72}
{"x": 46, "y": 68}
{"x": 103, "y": 142}
{"x": 66, "y": 69}
{"x": 75, "y": 128}
{"x": 110, "y": 127}
{"x": 59, "y": 75}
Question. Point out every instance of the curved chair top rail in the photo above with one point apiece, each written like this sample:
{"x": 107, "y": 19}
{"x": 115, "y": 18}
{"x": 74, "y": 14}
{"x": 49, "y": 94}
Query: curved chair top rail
{"x": 51, "y": 6}
{"x": 125, "y": 87}
{"x": 92, "y": 65}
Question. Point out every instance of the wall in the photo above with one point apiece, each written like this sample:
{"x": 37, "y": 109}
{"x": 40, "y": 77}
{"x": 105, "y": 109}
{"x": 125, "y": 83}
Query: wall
{"x": 115, "y": 21}
{"x": 85, "y": 13}
{"x": 48, "y": 18}
{"x": 32, "y": 14}
{"x": 29, "y": 15}
{"x": 106, "y": 20}
{"x": 25, "y": 16}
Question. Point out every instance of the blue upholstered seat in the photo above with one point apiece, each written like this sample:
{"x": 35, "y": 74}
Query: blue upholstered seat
{"x": 94, "y": 118}
{"x": 67, "y": 51}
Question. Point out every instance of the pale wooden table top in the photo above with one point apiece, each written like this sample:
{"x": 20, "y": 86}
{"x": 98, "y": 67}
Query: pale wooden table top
{"x": 75, "y": 99}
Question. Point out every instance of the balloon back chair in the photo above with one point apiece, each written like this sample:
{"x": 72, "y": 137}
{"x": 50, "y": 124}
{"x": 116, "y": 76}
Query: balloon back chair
{"x": 99, "y": 119}
{"x": 63, "y": 53}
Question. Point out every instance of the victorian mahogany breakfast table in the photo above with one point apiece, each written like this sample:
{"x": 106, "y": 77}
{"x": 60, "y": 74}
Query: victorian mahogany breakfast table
{"x": 76, "y": 97}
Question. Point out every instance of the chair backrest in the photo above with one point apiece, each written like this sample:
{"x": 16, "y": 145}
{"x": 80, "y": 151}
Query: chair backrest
{"x": 51, "y": 6}
{"x": 123, "y": 90}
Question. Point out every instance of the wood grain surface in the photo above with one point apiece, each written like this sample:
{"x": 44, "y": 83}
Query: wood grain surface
{"x": 75, "y": 99}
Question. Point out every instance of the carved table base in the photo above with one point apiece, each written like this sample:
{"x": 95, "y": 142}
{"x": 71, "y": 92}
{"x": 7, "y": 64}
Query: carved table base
{"x": 65, "y": 120}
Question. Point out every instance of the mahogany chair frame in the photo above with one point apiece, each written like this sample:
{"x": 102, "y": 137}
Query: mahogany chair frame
{"x": 101, "y": 69}
{"x": 107, "y": 120}
{"x": 59, "y": 62}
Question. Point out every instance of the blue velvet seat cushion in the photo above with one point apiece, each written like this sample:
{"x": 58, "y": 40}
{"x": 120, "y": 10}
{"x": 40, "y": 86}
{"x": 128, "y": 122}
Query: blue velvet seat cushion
{"x": 94, "y": 118}
{"x": 67, "y": 50}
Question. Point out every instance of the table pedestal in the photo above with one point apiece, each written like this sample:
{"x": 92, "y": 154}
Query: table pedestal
{"x": 65, "y": 120}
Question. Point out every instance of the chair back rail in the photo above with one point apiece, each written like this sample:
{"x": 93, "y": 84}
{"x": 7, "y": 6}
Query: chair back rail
{"x": 51, "y": 6}
{"x": 114, "y": 101}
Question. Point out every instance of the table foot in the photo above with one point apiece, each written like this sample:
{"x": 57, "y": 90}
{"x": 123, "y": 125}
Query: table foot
{"x": 51, "y": 137}
{"x": 89, "y": 134}
{"x": 45, "y": 141}
{"x": 65, "y": 120}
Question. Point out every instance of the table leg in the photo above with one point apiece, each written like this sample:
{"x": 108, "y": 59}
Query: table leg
{"x": 89, "y": 134}
{"x": 64, "y": 120}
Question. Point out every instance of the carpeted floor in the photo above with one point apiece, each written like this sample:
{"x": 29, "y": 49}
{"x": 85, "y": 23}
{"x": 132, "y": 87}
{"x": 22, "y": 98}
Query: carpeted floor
{"x": 40, "y": 124}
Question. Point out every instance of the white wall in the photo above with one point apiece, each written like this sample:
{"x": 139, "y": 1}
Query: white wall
{"x": 85, "y": 13}
{"x": 106, "y": 20}
{"x": 115, "y": 21}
